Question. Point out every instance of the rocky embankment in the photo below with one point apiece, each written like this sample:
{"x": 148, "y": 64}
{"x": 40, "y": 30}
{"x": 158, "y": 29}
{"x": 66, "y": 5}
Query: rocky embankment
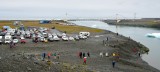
{"x": 137, "y": 23}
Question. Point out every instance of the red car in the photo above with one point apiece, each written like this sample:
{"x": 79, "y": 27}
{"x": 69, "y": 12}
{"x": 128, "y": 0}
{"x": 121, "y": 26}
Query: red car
{"x": 23, "y": 41}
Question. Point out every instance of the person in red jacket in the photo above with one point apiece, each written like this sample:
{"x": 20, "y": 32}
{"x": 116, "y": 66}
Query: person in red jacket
{"x": 84, "y": 60}
{"x": 49, "y": 55}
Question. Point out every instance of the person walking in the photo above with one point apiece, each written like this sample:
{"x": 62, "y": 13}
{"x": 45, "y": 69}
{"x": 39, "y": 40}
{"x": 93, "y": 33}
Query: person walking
{"x": 81, "y": 55}
{"x": 58, "y": 55}
{"x": 49, "y": 64}
{"x": 85, "y": 60}
{"x": 43, "y": 55}
{"x": 88, "y": 54}
{"x": 114, "y": 54}
{"x": 106, "y": 54}
{"x": 113, "y": 63}
{"x": 55, "y": 55}
{"x": 84, "y": 55}
{"x": 139, "y": 54}
{"x": 107, "y": 39}
{"x": 101, "y": 54}
{"x": 11, "y": 44}
{"x": 49, "y": 55}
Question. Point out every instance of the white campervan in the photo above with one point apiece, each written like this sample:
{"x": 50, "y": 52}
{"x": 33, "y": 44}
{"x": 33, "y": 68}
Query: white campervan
{"x": 44, "y": 34}
{"x": 8, "y": 38}
{"x": 0, "y": 39}
{"x": 84, "y": 35}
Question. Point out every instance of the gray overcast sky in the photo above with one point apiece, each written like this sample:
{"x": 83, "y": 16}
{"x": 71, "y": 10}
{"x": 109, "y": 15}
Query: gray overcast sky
{"x": 23, "y": 9}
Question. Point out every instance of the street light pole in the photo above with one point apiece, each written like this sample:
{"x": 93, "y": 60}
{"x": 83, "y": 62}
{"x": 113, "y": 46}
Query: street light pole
{"x": 116, "y": 23}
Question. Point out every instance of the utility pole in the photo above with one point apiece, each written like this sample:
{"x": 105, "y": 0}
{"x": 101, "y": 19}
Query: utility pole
{"x": 117, "y": 18}
{"x": 116, "y": 23}
{"x": 134, "y": 16}
{"x": 65, "y": 17}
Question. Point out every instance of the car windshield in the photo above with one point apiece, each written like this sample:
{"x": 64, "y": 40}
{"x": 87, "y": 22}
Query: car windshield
{"x": 7, "y": 40}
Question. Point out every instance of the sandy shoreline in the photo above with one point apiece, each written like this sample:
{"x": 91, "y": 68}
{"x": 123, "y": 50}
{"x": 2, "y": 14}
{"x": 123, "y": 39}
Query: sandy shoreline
{"x": 28, "y": 56}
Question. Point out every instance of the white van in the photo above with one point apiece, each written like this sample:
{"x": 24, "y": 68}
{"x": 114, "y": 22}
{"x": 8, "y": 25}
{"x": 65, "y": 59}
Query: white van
{"x": 65, "y": 38}
{"x": 50, "y": 36}
{"x": 56, "y": 38}
{"x": 84, "y": 34}
{"x": 44, "y": 34}
{"x": 0, "y": 39}
{"x": 8, "y": 39}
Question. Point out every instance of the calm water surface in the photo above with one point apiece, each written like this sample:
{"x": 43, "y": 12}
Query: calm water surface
{"x": 136, "y": 33}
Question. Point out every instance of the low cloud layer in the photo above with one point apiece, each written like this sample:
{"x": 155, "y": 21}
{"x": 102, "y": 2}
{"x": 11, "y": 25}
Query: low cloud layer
{"x": 78, "y": 8}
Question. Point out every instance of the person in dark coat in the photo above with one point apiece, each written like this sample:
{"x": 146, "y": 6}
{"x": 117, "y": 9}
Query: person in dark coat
{"x": 84, "y": 55}
{"x": 139, "y": 54}
{"x": 113, "y": 63}
{"x": 43, "y": 56}
{"x": 80, "y": 55}
{"x": 88, "y": 54}
{"x": 11, "y": 44}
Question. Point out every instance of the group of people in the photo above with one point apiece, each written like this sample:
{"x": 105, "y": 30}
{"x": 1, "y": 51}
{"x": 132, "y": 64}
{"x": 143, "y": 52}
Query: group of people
{"x": 136, "y": 51}
{"x": 102, "y": 54}
{"x": 114, "y": 55}
{"x": 105, "y": 41}
{"x": 49, "y": 54}
{"x": 84, "y": 56}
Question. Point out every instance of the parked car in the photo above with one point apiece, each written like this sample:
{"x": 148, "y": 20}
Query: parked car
{"x": 44, "y": 34}
{"x": 0, "y": 39}
{"x": 21, "y": 36}
{"x": 84, "y": 34}
{"x": 76, "y": 37}
{"x": 23, "y": 40}
{"x": 28, "y": 36}
{"x": 59, "y": 35}
{"x": 18, "y": 33}
{"x": 64, "y": 38}
{"x": 39, "y": 35}
{"x": 15, "y": 40}
{"x": 83, "y": 37}
{"x": 33, "y": 35}
{"x": 70, "y": 38}
{"x": 35, "y": 39}
{"x": 8, "y": 38}
{"x": 41, "y": 39}
{"x": 2, "y": 33}
{"x": 51, "y": 39}
{"x": 49, "y": 35}
{"x": 56, "y": 38}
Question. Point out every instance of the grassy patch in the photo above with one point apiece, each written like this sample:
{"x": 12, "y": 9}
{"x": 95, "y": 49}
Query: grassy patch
{"x": 68, "y": 29}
